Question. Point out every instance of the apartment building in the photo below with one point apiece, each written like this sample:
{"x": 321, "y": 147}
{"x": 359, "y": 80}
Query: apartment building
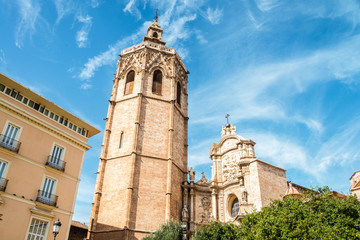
{"x": 42, "y": 148}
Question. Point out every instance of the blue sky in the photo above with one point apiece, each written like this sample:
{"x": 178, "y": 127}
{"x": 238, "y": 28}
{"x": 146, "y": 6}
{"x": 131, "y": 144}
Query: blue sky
{"x": 287, "y": 72}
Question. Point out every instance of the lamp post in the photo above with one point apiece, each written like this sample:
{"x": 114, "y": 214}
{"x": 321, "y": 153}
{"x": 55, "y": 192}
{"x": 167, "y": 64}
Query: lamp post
{"x": 56, "y": 227}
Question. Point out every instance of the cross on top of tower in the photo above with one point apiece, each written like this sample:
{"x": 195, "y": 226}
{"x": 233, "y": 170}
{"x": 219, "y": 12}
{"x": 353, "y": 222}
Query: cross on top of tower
{"x": 156, "y": 17}
{"x": 227, "y": 121}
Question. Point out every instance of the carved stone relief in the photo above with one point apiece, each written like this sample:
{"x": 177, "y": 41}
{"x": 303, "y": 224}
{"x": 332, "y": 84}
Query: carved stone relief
{"x": 231, "y": 169}
{"x": 229, "y": 144}
{"x": 205, "y": 216}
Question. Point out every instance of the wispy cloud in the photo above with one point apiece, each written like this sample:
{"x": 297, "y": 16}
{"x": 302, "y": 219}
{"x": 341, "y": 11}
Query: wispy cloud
{"x": 132, "y": 9}
{"x": 267, "y": 5}
{"x": 29, "y": 15}
{"x": 63, "y": 8}
{"x": 83, "y": 33}
{"x": 2, "y": 56}
{"x": 108, "y": 57}
{"x": 252, "y": 89}
{"x": 214, "y": 15}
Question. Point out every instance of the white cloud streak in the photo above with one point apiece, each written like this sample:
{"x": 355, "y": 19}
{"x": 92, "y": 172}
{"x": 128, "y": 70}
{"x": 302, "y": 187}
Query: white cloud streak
{"x": 214, "y": 15}
{"x": 2, "y": 57}
{"x": 132, "y": 9}
{"x": 83, "y": 33}
{"x": 29, "y": 14}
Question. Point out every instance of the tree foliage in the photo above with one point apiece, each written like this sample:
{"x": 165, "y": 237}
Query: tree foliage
{"x": 170, "y": 230}
{"x": 313, "y": 216}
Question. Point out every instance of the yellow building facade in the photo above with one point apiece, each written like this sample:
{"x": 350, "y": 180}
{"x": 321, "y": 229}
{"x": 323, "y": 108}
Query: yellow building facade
{"x": 42, "y": 148}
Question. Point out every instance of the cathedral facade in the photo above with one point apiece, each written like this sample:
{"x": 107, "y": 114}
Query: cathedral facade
{"x": 240, "y": 183}
{"x": 143, "y": 178}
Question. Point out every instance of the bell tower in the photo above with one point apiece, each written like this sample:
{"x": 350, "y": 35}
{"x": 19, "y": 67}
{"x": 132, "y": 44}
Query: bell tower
{"x": 143, "y": 160}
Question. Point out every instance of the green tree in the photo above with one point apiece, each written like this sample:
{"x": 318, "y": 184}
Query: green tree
{"x": 170, "y": 230}
{"x": 218, "y": 231}
{"x": 313, "y": 216}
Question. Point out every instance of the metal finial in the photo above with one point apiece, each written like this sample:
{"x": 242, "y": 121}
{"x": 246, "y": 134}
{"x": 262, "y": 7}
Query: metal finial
{"x": 156, "y": 17}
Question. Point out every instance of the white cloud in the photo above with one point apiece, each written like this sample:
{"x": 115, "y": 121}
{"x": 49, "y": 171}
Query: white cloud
{"x": 214, "y": 15}
{"x": 63, "y": 7}
{"x": 266, "y": 5}
{"x": 29, "y": 14}
{"x": 251, "y": 95}
{"x": 83, "y": 33}
{"x": 109, "y": 56}
{"x": 132, "y": 9}
{"x": 2, "y": 56}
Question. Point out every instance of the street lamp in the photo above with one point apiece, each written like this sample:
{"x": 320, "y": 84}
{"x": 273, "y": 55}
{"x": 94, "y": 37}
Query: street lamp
{"x": 56, "y": 227}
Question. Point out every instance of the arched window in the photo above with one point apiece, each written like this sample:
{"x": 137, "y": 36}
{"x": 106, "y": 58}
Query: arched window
{"x": 235, "y": 207}
{"x": 121, "y": 139}
{"x": 155, "y": 35}
{"x": 157, "y": 82}
{"x": 178, "y": 93}
{"x": 129, "y": 85}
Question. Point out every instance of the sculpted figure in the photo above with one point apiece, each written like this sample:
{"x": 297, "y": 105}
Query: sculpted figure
{"x": 191, "y": 174}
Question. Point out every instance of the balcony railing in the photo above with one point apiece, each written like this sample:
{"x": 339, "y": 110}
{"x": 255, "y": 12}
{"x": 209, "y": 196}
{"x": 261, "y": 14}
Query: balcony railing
{"x": 47, "y": 198}
{"x": 56, "y": 163}
{"x": 3, "y": 184}
{"x": 9, "y": 143}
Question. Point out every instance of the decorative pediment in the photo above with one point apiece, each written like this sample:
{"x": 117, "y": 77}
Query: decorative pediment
{"x": 134, "y": 60}
{"x": 159, "y": 59}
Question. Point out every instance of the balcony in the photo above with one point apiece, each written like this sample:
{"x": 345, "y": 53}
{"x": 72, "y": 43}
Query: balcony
{"x": 56, "y": 163}
{"x": 46, "y": 198}
{"x": 3, "y": 184}
{"x": 9, "y": 143}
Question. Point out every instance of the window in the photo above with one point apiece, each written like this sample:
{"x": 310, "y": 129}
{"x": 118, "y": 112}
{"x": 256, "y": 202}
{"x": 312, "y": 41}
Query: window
{"x": 37, "y": 230}
{"x": 178, "y": 93}
{"x": 9, "y": 137}
{"x": 55, "y": 160}
{"x": 31, "y": 103}
{"x": 235, "y": 208}
{"x": 45, "y": 195}
{"x": 57, "y": 154}
{"x": 3, "y": 181}
{"x": 155, "y": 35}
{"x": 129, "y": 85}
{"x": 157, "y": 82}
{"x": 2, "y": 87}
{"x": 8, "y": 91}
{"x": 121, "y": 140}
{"x": 2, "y": 168}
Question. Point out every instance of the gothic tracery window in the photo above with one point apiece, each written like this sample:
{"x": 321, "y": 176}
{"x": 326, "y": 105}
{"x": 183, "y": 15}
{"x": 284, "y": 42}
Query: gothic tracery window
{"x": 157, "y": 82}
{"x": 178, "y": 93}
{"x": 129, "y": 85}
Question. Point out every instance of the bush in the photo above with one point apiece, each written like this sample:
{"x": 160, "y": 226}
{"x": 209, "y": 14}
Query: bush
{"x": 170, "y": 230}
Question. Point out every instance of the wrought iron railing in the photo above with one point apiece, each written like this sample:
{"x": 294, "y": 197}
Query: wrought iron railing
{"x": 56, "y": 163}
{"x": 47, "y": 198}
{"x": 3, "y": 184}
{"x": 9, "y": 143}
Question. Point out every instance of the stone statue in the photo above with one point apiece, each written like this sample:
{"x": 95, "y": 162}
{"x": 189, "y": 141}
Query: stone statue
{"x": 185, "y": 214}
{"x": 191, "y": 174}
{"x": 244, "y": 196}
{"x": 203, "y": 178}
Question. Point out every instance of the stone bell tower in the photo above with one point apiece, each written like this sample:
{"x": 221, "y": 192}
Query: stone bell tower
{"x": 143, "y": 159}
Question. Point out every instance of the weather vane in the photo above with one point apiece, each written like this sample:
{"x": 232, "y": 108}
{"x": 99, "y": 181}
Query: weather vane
{"x": 156, "y": 17}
